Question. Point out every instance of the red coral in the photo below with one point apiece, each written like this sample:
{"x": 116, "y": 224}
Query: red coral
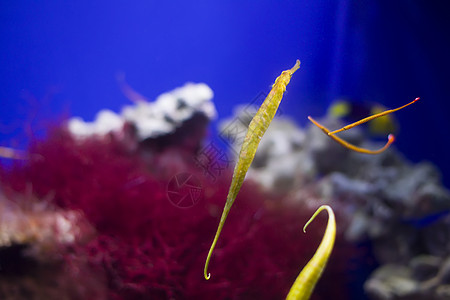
{"x": 148, "y": 247}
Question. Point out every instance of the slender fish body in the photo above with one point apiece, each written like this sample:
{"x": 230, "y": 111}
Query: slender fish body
{"x": 256, "y": 130}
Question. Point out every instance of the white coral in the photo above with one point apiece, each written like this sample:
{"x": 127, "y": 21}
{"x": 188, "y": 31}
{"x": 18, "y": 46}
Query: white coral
{"x": 105, "y": 122}
{"x": 152, "y": 119}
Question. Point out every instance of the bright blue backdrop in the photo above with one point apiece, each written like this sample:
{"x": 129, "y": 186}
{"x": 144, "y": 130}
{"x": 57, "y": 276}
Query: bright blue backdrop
{"x": 66, "y": 54}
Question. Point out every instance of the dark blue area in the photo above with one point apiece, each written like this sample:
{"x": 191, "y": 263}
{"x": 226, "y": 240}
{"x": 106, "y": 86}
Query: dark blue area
{"x": 360, "y": 267}
{"x": 383, "y": 51}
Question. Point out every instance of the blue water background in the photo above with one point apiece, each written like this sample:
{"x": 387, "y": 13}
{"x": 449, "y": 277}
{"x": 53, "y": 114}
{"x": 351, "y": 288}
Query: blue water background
{"x": 67, "y": 53}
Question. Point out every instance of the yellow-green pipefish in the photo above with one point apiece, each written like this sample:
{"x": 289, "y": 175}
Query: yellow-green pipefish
{"x": 308, "y": 277}
{"x": 256, "y": 130}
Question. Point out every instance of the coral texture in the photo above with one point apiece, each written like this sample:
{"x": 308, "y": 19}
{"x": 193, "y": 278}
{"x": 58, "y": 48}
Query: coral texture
{"x": 145, "y": 246}
{"x": 152, "y": 118}
{"x": 400, "y": 207}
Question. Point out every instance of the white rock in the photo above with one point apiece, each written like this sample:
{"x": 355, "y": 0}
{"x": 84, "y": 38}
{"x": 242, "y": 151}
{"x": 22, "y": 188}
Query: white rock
{"x": 152, "y": 119}
{"x": 105, "y": 122}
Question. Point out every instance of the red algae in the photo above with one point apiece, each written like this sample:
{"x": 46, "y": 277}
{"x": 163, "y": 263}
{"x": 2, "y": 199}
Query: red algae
{"x": 149, "y": 248}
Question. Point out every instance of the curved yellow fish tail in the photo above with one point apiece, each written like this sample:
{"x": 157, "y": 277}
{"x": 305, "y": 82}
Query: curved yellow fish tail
{"x": 255, "y": 132}
{"x": 308, "y": 277}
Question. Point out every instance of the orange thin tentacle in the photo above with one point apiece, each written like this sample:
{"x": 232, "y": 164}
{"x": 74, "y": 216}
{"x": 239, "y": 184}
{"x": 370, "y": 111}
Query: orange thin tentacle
{"x": 347, "y": 145}
{"x": 386, "y": 112}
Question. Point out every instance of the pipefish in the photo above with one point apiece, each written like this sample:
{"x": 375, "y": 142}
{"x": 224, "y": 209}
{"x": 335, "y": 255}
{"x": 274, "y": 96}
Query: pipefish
{"x": 308, "y": 277}
{"x": 256, "y": 130}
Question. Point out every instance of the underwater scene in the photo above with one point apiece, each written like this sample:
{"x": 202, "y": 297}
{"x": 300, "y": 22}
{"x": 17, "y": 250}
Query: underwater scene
{"x": 235, "y": 150}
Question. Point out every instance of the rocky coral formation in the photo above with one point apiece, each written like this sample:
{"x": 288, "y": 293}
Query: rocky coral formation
{"x": 152, "y": 119}
{"x": 100, "y": 213}
{"x": 401, "y": 207}
{"x": 33, "y": 234}
{"x": 39, "y": 226}
{"x": 145, "y": 244}
{"x": 424, "y": 277}
{"x": 147, "y": 247}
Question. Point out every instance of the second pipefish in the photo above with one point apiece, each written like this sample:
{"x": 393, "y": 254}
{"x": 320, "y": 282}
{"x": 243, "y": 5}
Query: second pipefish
{"x": 256, "y": 130}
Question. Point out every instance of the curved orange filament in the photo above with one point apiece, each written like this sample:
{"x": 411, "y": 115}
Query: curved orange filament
{"x": 386, "y": 112}
{"x": 347, "y": 145}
